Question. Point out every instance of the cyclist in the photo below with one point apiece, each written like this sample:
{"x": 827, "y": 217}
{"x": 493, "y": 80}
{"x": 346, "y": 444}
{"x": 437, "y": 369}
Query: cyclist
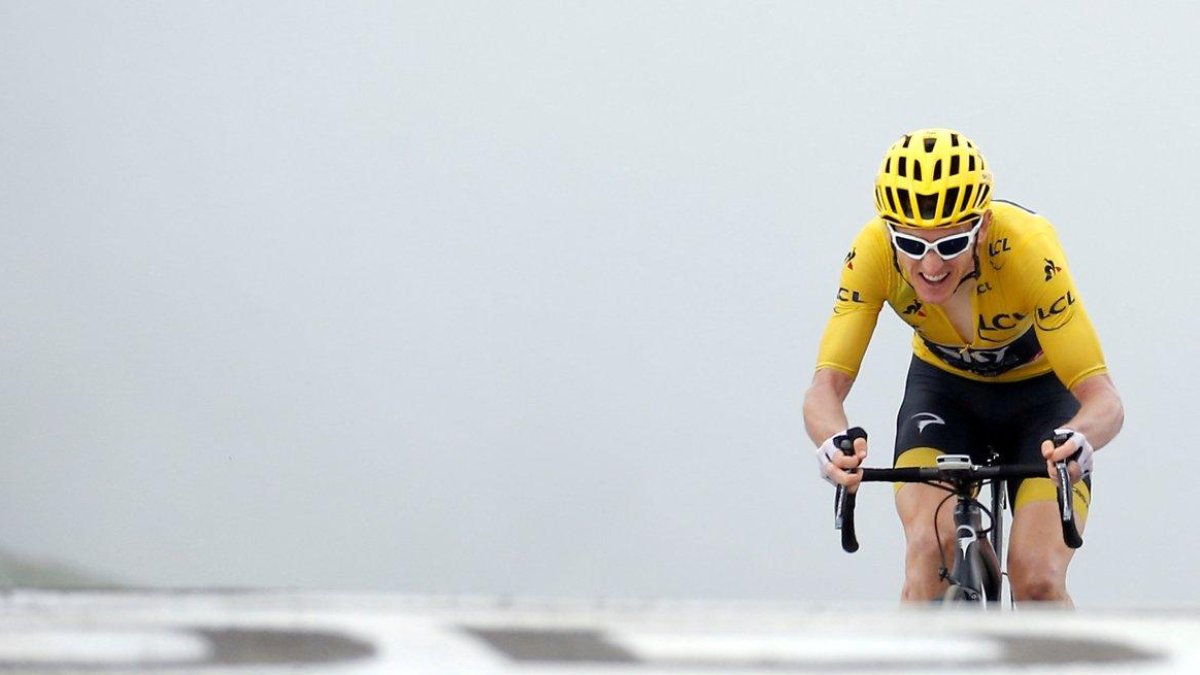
{"x": 1004, "y": 355}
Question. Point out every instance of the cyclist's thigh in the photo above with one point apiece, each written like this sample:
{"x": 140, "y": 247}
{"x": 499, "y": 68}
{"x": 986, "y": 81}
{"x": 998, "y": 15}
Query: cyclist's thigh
{"x": 932, "y": 419}
{"x": 917, "y": 504}
{"x": 1036, "y": 537}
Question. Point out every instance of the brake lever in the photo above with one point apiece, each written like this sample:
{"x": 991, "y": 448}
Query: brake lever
{"x": 844, "y": 500}
{"x": 1066, "y": 498}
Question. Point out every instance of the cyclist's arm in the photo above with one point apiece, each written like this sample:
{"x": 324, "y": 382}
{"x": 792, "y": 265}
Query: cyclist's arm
{"x": 824, "y": 411}
{"x": 1099, "y": 419}
{"x": 862, "y": 290}
{"x": 1101, "y": 413}
{"x": 825, "y": 416}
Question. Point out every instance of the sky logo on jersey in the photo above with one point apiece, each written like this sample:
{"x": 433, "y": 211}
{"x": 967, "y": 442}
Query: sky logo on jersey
{"x": 1051, "y": 269}
{"x": 924, "y": 419}
{"x": 850, "y": 258}
{"x": 988, "y": 362}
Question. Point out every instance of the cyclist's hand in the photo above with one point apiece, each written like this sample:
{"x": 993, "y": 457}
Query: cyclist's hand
{"x": 833, "y": 464}
{"x": 1078, "y": 467}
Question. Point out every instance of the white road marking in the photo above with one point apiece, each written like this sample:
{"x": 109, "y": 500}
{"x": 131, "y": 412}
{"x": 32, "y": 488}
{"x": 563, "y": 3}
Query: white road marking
{"x": 223, "y": 633}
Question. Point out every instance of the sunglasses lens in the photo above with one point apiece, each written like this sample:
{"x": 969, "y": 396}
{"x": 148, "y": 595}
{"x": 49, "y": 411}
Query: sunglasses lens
{"x": 911, "y": 246}
{"x": 953, "y": 245}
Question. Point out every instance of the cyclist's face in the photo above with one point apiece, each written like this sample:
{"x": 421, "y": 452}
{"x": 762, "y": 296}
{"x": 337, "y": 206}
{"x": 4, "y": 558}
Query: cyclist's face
{"x": 932, "y": 277}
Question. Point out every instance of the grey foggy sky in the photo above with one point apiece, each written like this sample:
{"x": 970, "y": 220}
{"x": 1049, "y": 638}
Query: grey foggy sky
{"x": 523, "y": 297}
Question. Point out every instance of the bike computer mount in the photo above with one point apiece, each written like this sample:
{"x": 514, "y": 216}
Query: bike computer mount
{"x": 954, "y": 462}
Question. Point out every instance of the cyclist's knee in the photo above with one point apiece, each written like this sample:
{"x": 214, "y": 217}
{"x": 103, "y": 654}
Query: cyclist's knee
{"x": 1039, "y": 589}
{"x": 1037, "y": 577}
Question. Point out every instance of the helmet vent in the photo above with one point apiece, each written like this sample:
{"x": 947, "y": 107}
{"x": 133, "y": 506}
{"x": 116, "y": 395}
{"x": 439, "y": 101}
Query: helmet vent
{"x": 929, "y": 143}
{"x": 970, "y": 162}
{"x": 983, "y": 194}
{"x": 905, "y": 202}
{"x": 891, "y": 199}
{"x": 954, "y": 165}
{"x": 907, "y": 139}
{"x": 951, "y": 201}
{"x": 967, "y": 196}
{"x": 887, "y": 166}
{"x": 902, "y": 167}
{"x": 916, "y": 169}
{"x": 928, "y": 205}
{"x": 937, "y": 169}
{"x": 954, "y": 140}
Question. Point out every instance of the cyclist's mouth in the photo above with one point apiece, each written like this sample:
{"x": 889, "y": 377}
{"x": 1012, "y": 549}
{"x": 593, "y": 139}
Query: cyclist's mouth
{"x": 935, "y": 280}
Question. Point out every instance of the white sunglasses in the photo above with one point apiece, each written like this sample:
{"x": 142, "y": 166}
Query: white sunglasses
{"x": 948, "y": 247}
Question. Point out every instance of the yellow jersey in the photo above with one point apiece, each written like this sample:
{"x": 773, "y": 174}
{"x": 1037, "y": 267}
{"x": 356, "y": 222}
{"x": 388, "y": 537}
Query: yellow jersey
{"x": 1030, "y": 319}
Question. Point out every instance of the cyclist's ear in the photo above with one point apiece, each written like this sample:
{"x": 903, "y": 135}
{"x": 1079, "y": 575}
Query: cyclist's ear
{"x": 981, "y": 240}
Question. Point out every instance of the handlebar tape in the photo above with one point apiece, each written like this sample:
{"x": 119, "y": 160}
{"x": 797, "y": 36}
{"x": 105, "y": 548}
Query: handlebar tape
{"x": 844, "y": 508}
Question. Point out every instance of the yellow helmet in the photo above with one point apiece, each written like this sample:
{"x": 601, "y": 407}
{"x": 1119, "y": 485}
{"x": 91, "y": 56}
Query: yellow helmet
{"x": 932, "y": 178}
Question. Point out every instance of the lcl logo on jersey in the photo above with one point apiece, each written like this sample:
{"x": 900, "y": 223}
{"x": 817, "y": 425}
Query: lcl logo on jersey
{"x": 1051, "y": 269}
{"x": 847, "y": 295}
{"x": 999, "y": 322}
{"x": 995, "y": 249}
{"x": 915, "y": 308}
{"x": 1056, "y": 313}
{"x": 850, "y": 258}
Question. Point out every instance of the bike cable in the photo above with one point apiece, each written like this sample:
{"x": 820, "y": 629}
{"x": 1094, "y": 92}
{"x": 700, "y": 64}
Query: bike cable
{"x": 944, "y": 570}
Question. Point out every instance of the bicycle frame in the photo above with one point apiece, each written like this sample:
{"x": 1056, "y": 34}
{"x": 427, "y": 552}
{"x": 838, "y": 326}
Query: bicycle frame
{"x": 975, "y": 574}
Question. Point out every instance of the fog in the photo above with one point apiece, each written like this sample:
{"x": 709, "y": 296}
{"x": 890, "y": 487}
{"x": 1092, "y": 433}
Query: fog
{"x": 523, "y": 298}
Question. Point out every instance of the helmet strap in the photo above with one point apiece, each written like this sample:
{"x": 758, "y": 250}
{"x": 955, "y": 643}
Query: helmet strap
{"x": 974, "y": 273}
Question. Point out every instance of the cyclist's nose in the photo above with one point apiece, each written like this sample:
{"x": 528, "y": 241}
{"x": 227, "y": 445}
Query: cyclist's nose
{"x": 932, "y": 262}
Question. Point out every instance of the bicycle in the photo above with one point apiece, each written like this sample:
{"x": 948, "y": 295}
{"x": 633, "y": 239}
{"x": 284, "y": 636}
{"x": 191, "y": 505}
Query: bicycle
{"x": 975, "y": 575}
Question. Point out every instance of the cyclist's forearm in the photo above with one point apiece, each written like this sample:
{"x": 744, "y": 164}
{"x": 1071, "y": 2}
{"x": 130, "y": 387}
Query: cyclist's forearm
{"x": 824, "y": 413}
{"x": 1101, "y": 413}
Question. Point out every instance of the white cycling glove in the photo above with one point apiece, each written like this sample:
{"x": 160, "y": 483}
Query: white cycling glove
{"x": 1085, "y": 450}
{"x": 826, "y": 452}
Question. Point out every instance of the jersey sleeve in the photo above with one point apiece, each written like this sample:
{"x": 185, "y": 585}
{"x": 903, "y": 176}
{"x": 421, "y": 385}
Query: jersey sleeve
{"x": 862, "y": 290}
{"x": 1063, "y": 327}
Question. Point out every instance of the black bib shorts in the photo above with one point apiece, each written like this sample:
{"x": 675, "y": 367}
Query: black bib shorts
{"x": 958, "y": 416}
